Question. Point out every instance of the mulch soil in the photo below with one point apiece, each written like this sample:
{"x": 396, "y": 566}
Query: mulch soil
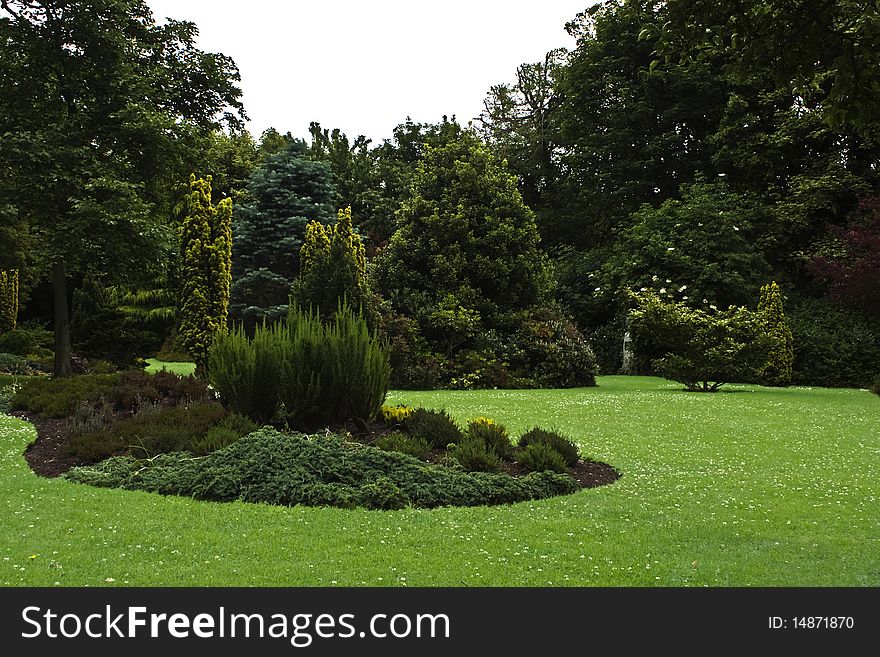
{"x": 48, "y": 456}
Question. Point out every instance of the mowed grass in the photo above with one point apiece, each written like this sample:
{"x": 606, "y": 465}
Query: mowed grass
{"x": 182, "y": 368}
{"x": 752, "y": 487}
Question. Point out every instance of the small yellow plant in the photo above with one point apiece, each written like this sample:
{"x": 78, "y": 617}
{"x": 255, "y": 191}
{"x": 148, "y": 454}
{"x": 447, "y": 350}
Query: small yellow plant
{"x": 396, "y": 414}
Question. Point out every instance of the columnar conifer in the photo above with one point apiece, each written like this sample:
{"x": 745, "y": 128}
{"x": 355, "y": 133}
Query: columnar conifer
{"x": 206, "y": 246}
{"x": 777, "y": 371}
{"x": 8, "y": 299}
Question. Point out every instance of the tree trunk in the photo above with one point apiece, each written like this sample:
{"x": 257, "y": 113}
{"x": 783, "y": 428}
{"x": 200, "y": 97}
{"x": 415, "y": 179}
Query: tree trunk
{"x": 62, "y": 322}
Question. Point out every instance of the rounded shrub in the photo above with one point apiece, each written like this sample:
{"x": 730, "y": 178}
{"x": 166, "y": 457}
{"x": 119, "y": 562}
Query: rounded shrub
{"x": 539, "y": 457}
{"x": 436, "y": 427}
{"x": 562, "y": 445}
{"x": 397, "y": 441}
{"x": 493, "y": 435}
{"x": 475, "y": 456}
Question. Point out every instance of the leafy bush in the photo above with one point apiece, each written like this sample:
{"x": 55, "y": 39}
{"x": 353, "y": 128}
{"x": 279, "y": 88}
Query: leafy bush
{"x": 475, "y": 455}
{"x": 702, "y": 350}
{"x": 493, "y": 435}
{"x": 19, "y": 342}
{"x": 332, "y": 372}
{"x": 245, "y": 372}
{"x": 289, "y": 469}
{"x": 435, "y": 427}
{"x": 397, "y": 441}
{"x": 556, "y": 441}
{"x": 168, "y": 429}
{"x": 539, "y": 457}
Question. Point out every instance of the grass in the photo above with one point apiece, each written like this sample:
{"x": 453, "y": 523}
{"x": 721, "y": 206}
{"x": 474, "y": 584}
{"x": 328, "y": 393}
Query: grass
{"x": 756, "y": 486}
{"x": 183, "y": 369}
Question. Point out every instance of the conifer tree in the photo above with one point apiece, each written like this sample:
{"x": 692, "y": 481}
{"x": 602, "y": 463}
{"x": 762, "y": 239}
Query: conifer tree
{"x": 206, "y": 247}
{"x": 287, "y": 191}
{"x": 8, "y": 299}
{"x": 777, "y": 370}
{"x": 333, "y": 267}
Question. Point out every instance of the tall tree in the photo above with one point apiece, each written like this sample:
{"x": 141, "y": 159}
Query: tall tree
{"x": 466, "y": 242}
{"x": 206, "y": 248}
{"x": 808, "y": 44}
{"x": 100, "y": 107}
{"x": 286, "y": 192}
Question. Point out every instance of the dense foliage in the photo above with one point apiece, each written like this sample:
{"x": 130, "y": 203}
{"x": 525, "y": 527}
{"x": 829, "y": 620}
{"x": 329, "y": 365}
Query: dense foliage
{"x": 291, "y": 469}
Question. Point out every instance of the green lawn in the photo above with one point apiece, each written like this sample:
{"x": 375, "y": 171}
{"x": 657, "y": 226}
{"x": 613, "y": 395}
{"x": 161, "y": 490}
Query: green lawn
{"x": 749, "y": 487}
{"x": 184, "y": 369}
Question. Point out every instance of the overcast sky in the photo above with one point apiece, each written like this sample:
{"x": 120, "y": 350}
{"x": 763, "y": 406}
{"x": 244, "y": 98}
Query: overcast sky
{"x": 365, "y": 65}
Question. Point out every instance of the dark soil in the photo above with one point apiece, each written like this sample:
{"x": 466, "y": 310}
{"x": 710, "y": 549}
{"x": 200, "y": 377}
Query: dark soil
{"x": 48, "y": 455}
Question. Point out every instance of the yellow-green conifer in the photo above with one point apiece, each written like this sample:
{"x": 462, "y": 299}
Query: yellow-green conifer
{"x": 206, "y": 247}
{"x": 8, "y": 299}
{"x": 777, "y": 370}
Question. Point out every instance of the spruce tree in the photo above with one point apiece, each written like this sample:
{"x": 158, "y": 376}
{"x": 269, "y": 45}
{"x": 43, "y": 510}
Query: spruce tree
{"x": 777, "y": 370}
{"x": 206, "y": 247}
{"x": 333, "y": 267}
{"x": 287, "y": 191}
{"x": 8, "y": 299}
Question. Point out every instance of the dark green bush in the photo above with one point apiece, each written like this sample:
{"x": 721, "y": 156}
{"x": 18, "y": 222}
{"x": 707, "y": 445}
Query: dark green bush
{"x": 833, "y": 346}
{"x": 875, "y": 387}
{"x": 57, "y": 398}
{"x": 27, "y": 341}
{"x": 331, "y": 372}
{"x": 288, "y": 469}
{"x": 436, "y": 427}
{"x": 539, "y": 457}
{"x": 246, "y": 372}
{"x": 165, "y": 429}
{"x": 565, "y": 447}
{"x": 397, "y": 441}
{"x": 475, "y": 456}
{"x": 493, "y": 435}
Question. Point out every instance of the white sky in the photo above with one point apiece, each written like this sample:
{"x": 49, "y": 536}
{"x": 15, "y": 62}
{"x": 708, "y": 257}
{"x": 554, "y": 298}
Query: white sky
{"x": 365, "y": 65}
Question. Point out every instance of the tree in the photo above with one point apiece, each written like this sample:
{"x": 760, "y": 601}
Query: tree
{"x": 828, "y": 45}
{"x": 8, "y": 299}
{"x": 780, "y": 358}
{"x": 333, "y": 269}
{"x": 206, "y": 247}
{"x": 287, "y": 191}
{"x": 703, "y": 350}
{"x": 353, "y": 169}
{"x": 100, "y": 108}
{"x": 464, "y": 232}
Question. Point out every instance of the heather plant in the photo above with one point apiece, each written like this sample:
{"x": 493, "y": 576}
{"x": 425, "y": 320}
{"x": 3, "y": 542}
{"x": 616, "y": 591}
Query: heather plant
{"x": 434, "y": 426}
{"x": 556, "y": 441}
